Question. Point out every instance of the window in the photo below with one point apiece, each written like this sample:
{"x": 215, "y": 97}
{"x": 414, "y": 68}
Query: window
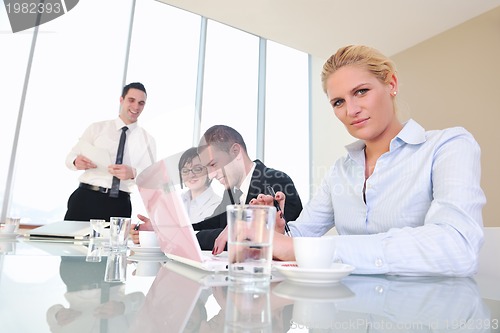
{"x": 230, "y": 87}
{"x": 287, "y": 115}
{"x": 78, "y": 71}
{"x": 76, "y": 78}
{"x": 166, "y": 61}
{"x": 15, "y": 54}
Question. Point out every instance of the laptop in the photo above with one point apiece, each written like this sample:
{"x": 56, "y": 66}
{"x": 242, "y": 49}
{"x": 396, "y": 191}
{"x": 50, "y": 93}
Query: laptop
{"x": 159, "y": 186}
{"x": 63, "y": 230}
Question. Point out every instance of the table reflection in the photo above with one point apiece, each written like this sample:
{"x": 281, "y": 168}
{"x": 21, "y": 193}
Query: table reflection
{"x": 177, "y": 303}
{"x": 68, "y": 294}
{"x": 313, "y": 304}
{"x": 393, "y": 304}
{"x": 93, "y": 305}
{"x": 7, "y": 246}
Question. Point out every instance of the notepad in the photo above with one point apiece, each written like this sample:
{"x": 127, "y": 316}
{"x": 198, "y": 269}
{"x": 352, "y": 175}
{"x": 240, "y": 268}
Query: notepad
{"x": 71, "y": 230}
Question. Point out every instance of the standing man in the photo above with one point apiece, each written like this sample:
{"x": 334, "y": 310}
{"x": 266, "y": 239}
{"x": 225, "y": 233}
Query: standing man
{"x": 104, "y": 190}
{"x": 223, "y": 151}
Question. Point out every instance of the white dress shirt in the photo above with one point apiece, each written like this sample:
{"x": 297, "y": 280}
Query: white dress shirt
{"x": 202, "y": 206}
{"x": 139, "y": 153}
{"x": 423, "y": 210}
{"x": 245, "y": 185}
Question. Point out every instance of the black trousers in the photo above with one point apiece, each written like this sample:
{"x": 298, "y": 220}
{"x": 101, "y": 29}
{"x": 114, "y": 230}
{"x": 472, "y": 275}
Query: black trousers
{"x": 84, "y": 204}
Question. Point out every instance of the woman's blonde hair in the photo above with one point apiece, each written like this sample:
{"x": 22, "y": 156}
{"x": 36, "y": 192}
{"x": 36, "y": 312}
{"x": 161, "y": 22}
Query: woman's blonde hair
{"x": 361, "y": 56}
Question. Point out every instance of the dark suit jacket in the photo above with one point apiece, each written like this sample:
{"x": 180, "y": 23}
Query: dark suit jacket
{"x": 262, "y": 177}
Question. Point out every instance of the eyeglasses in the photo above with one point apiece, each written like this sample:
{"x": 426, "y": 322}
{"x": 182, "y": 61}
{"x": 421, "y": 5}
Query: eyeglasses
{"x": 196, "y": 170}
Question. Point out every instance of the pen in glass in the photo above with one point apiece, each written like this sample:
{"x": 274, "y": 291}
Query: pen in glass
{"x": 278, "y": 208}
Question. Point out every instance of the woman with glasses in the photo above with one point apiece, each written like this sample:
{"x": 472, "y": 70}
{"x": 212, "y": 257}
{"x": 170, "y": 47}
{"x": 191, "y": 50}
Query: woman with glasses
{"x": 200, "y": 198}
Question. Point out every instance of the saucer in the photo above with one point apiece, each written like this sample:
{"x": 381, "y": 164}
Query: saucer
{"x": 146, "y": 251}
{"x": 157, "y": 257}
{"x": 313, "y": 292}
{"x": 316, "y": 276}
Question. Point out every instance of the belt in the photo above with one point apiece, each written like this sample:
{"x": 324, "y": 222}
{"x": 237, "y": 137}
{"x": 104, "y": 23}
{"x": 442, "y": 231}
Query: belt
{"x": 97, "y": 188}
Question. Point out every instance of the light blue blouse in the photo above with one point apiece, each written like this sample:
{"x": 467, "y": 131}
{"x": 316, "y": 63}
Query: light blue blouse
{"x": 423, "y": 211}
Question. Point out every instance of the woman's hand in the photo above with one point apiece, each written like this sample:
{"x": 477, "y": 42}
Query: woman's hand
{"x": 134, "y": 234}
{"x": 283, "y": 248}
{"x": 268, "y": 200}
{"x": 220, "y": 242}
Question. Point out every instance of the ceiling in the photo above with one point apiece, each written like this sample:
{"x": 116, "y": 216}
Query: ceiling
{"x": 320, "y": 27}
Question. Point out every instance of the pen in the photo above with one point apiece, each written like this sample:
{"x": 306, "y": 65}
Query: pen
{"x": 278, "y": 208}
{"x": 137, "y": 225}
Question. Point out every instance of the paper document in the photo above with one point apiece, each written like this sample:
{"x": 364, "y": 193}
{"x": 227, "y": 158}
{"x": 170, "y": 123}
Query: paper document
{"x": 99, "y": 156}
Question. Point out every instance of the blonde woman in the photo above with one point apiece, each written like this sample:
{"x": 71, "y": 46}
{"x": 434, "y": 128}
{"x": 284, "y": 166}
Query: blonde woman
{"x": 404, "y": 200}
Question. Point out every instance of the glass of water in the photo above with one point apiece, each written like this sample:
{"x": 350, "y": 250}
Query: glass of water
{"x": 119, "y": 229}
{"x": 250, "y": 242}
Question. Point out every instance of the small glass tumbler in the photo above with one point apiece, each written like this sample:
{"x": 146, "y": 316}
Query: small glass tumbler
{"x": 11, "y": 225}
{"x": 97, "y": 228}
{"x": 119, "y": 229}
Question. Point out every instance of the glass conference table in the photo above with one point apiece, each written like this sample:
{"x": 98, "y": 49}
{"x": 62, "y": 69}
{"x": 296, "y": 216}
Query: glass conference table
{"x": 50, "y": 287}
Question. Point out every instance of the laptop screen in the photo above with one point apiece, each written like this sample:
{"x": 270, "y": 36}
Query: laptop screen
{"x": 159, "y": 186}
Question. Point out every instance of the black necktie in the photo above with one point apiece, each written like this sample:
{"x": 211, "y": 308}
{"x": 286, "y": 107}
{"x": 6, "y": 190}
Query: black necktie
{"x": 237, "y": 195}
{"x": 115, "y": 187}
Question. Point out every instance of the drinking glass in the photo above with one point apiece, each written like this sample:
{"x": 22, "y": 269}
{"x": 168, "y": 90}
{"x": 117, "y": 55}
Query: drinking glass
{"x": 97, "y": 228}
{"x": 250, "y": 242}
{"x": 119, "y": 229}
{"x": 11, "y": 225}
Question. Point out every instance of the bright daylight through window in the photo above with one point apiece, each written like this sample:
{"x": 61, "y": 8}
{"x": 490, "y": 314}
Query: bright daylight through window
{"x": 76, "y": 74}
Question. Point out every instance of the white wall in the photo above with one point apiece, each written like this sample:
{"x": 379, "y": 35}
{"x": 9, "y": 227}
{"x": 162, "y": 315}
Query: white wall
{"x": 449, "y": 80}
{"x": 328, "y": 135}
{"x": 453, "y": 80}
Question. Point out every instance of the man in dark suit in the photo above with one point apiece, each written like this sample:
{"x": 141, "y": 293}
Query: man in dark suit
{"x": 223, "y": 151}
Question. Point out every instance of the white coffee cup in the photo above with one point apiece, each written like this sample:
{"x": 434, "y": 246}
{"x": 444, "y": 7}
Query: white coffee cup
{"x": 148, "y": 238}
{"x": 314, "y": 252}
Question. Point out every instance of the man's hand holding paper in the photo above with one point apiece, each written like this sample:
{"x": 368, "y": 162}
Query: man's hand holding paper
{"x": 83, "y": 163}
{"x": 97, "y": 157}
